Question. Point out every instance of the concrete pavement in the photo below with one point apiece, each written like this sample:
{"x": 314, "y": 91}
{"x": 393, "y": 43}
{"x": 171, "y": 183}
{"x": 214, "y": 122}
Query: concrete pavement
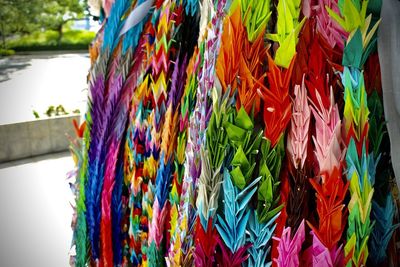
{"x": 35, "y": 214}
{"x": 39, "y": 80}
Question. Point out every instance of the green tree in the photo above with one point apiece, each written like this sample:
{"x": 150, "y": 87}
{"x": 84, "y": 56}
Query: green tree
{"x": 56, "y": 13}
{"x": 18, "y": 17}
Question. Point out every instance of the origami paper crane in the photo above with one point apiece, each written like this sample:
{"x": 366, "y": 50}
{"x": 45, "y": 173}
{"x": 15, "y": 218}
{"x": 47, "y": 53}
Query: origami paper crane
{"x": 288, "y": 29}
{"x": 290, "y": 247}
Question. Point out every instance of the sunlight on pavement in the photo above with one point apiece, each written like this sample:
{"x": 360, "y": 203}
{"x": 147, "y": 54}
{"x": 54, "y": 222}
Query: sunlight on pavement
{"x": 34, "y": 199}
{"x": 37, "y": 81}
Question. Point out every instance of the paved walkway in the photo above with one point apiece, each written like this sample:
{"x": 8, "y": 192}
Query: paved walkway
{"x": 35, "y": 214}
{"x": 39, "y": 80}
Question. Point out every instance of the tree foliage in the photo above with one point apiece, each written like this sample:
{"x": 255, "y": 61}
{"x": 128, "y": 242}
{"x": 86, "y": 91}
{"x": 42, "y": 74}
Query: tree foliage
{"x": 18, "y": 17}
{"x": 56, "y": 13}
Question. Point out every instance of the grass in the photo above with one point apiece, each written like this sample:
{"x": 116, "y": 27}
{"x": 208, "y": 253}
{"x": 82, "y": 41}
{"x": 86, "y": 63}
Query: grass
{"x": 47, "y": 40}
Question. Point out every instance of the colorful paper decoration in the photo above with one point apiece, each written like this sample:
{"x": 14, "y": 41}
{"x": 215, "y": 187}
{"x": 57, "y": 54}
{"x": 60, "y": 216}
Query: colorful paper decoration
{"x": 234, "y": 133}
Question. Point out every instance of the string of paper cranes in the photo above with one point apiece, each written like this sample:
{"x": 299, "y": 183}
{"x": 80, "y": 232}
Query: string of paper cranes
{"x": 234, "y": 133}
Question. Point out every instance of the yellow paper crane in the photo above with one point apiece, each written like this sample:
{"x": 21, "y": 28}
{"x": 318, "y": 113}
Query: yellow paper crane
{"x": 288, "y": 29}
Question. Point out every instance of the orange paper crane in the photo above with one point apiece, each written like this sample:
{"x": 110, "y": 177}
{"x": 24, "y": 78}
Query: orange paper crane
{"x": 330, "y": 196}
{"x": 239, "y": 62}
{"x": 277, "y": 103}
{"x": 250, "y": 69}
{"x": 227, "y": 66}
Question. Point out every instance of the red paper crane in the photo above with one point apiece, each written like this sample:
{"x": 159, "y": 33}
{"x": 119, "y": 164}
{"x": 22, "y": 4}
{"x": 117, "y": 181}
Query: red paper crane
{"x": 277, "y": 103}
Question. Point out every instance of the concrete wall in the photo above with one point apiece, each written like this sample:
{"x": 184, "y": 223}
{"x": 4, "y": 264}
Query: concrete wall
{"x": 33, "y": 138}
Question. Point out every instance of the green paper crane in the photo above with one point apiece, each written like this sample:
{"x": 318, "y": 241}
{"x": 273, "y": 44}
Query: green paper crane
{"x": 362, "y": 38}
{"x": 361, "y": 174}
{"x": 245, "y": 142}
{"x": 269, "y": 169}
{"x": 288, "y": 29}
{"x": 255, "y": 16}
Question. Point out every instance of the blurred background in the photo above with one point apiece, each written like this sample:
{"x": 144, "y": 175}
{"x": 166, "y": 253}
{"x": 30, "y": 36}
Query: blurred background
{"x": 44, "y": 64}
{"x": 44, "y": 48}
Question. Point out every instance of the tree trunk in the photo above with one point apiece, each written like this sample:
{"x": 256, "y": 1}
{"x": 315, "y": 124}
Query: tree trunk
{"x": 3, "y": 36}
{"x": 60, "y": 33}
{"x": 3, "y": 41}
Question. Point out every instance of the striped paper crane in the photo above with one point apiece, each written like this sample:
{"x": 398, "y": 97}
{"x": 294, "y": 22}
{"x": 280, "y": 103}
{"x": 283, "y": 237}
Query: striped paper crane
{"x": 170, "y": 140}
{"x": 135, "y": 149}
{"x": 205, "y": 232}
{"x": 185, "y": 108}
{"x": 187, "y": 211}
{"x": 162, "y": 123}
{"x": 100, "y": 113}
{"x": 182, "y": 242}
{"x": 141, "y": 153}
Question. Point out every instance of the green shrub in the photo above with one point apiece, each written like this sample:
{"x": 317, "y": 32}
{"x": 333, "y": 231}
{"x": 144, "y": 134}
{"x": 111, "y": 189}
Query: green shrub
{"x": 6, "y": 52}
{"x": 77, "y": 37}
{"x": 51, "y": 47}
{"x": 35, "y": 39}
{"x": 47, "y": 40}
